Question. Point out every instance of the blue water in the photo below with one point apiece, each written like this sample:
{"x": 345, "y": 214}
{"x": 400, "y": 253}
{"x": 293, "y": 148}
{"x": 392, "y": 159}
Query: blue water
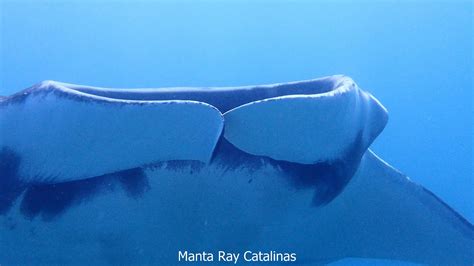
{"x": 416, "y": 58}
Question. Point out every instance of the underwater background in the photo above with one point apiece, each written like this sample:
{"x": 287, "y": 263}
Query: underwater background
{"x": 415, "y": 57}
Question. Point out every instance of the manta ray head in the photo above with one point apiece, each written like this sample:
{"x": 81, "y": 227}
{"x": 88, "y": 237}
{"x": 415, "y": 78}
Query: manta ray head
{"x": 315, "y": 131}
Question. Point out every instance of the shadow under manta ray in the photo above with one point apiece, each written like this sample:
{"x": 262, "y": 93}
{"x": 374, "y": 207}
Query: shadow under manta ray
{"x": 92, "y": 175}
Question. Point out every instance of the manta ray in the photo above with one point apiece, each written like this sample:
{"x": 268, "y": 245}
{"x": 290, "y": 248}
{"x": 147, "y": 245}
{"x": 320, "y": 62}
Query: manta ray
{"x": 102, "y": 176}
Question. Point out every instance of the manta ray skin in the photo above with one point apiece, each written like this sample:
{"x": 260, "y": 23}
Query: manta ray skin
{"x": 134, "y": 176}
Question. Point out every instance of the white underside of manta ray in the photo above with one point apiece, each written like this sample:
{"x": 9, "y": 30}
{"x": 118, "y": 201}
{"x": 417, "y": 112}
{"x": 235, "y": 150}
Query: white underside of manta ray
{"x": 105, "y": 177}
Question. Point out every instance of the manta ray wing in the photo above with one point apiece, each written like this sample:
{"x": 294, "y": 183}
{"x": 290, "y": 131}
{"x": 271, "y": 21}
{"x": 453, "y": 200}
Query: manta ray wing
{"x": 382, "y": 214}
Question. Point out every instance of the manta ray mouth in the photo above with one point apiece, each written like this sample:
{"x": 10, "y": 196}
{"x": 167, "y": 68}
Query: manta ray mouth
{"x": 223, "y": 98}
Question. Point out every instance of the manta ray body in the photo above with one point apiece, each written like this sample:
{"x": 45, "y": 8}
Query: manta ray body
{"x": 133, "y": 176}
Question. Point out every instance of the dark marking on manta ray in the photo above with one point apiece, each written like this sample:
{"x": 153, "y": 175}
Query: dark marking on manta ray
{"x": 231, "y": 158}
{"x": 175, "y": 165}
{"x": 51, "y": 200}
{"x": 10, "y": 185}
{"x": 328, "y": 178}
